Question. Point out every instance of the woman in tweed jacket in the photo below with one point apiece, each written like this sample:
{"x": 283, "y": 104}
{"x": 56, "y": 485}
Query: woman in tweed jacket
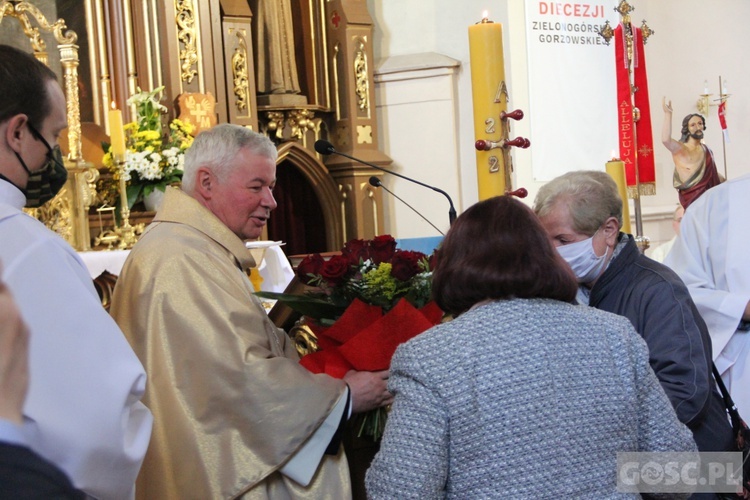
{"x": 523, "y": 394}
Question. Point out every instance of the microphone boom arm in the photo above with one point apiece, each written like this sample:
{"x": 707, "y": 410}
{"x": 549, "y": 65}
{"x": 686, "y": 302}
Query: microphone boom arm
{"x": 451, "y": 210}
{"x": 375, "y": 182}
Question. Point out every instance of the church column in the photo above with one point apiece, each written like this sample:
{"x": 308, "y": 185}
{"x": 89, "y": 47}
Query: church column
{"x": 354, "y": 130}
{"x": 236, "y": 31}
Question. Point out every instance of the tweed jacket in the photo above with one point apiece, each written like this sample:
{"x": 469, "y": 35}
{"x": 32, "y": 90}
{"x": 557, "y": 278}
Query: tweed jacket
{"x": 521, "y": 398}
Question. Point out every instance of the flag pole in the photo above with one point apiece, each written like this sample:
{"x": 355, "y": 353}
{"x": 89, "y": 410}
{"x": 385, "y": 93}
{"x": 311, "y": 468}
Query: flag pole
{"x": 723, "y": 98}
{"x": 629, "y": 57}
{"x": 630, "y": 37}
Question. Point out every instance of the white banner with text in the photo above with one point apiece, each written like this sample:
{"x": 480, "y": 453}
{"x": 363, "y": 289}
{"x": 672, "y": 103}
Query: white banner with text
{"x": 572, "y": 90}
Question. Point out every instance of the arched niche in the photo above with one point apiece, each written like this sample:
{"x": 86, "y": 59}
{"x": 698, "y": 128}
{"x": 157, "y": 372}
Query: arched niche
{"x": 315, "y": 198}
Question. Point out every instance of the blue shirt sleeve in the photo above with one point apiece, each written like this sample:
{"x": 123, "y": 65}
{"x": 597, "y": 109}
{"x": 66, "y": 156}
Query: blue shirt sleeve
{"x": 11, "y": 433}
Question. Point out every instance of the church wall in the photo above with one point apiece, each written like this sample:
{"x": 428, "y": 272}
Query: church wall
{"x": 405, "y": 28}
{"x": 416, "y": 95}
{"x": 694, "y": 41}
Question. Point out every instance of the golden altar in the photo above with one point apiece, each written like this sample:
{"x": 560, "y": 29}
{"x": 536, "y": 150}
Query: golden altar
{"x": 110, "y": 48}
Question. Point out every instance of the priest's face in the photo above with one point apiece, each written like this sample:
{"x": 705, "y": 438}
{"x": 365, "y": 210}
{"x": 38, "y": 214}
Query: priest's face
{"x": 244, "y": 197}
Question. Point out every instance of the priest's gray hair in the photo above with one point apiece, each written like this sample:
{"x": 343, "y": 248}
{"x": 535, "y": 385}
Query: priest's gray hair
{"x": 591, "y": 197}
{"x": 217, "y": 147}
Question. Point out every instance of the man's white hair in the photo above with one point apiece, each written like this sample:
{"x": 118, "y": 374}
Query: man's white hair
{"x": 590, "y": 195}
{"x": 216, "y": 149}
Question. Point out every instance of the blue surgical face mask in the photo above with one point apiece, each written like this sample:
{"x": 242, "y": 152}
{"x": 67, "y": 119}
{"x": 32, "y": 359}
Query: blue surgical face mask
{"x": 581, "y": 257}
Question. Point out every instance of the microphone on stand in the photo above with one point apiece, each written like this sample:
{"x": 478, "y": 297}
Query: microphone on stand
{"x": 326, "y": 148}
{"x": 374, "y": 181}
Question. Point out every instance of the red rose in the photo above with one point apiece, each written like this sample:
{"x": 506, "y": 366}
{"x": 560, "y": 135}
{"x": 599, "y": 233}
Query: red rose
{"x": 310, "y": 265}
{"x": 382, "y": 248}
{"x": 406, "y": 264}
{"x": 335, "y": 269}
{"x": 355, "y": 250}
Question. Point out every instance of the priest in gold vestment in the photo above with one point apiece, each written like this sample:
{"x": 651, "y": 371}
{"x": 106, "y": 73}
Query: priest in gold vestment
{"x": 235, "y": 415}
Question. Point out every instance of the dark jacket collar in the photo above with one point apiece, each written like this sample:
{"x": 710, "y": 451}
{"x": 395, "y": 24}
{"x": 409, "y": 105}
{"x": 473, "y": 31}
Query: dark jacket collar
{"x": 621, "y": 260}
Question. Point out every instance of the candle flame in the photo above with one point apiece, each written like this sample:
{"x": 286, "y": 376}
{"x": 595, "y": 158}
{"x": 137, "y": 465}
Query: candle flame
{"x": 112, "y": 105}
{"x": 485, "y": 14}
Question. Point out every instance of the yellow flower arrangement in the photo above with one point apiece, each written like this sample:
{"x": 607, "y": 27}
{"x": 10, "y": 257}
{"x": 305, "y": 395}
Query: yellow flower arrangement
{"x": 154, "y": 159}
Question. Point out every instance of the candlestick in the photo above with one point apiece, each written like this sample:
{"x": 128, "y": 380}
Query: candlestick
{"x": 123, "y": 186}
{"x": 616, "y": 170}
{"x": 126, "y": 232}
{"x": 490, "y": 100}
{"x": 116, "y": 132}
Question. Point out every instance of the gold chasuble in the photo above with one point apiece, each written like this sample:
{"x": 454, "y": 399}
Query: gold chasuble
{"x": 231, "y": 403}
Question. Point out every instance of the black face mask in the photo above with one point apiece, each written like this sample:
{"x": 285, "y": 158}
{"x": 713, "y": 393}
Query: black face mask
{"x": 45, "y": 183}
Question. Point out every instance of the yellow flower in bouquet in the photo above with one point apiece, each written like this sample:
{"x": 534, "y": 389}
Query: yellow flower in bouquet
{"x": 154, "y": 159}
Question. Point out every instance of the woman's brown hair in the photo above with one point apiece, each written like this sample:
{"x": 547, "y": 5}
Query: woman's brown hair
{"x": 498, "y": 249}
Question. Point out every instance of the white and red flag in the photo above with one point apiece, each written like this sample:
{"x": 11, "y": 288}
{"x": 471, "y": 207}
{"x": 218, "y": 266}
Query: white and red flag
{"x": 723, "y": 120}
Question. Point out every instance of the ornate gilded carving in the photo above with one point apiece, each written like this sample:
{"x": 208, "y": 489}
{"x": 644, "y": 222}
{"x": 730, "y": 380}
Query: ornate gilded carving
{"x": 69, "y": 60}
{"x": 296, "y": 121}
{"x": 87, "y": 186}
{"x": 19, "y": 10}
{"x": 362, "y": 83}
{"x": 186, "y": 34}
{"x": 305, "y": 340}
{"x": 275, "y": 123}
{"x": 239, "y": 71}
{"x": 300, "y": 121}
{"x": 57, "y": 214}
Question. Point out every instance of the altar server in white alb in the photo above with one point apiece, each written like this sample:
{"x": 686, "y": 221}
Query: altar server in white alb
{"x": 712, "y": 256}
{"x": 83, "y": 411}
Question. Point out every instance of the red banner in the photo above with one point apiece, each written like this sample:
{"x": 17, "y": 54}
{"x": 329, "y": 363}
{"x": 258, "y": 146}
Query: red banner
{"x": 636, "y": 137}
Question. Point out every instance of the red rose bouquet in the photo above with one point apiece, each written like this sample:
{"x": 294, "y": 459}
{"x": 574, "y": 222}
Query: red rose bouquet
{"x": 362, "y": 305}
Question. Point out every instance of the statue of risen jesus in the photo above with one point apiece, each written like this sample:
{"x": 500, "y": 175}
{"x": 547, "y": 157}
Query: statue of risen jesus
{"x": 694, "y": 166}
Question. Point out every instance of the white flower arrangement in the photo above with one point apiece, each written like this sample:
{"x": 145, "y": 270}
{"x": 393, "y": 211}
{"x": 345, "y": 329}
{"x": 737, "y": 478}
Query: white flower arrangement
{"x": 153, "y": 159}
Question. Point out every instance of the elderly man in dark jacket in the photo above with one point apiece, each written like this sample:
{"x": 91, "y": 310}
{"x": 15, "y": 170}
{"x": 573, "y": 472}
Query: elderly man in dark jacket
{"x": 582, "y": 213}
